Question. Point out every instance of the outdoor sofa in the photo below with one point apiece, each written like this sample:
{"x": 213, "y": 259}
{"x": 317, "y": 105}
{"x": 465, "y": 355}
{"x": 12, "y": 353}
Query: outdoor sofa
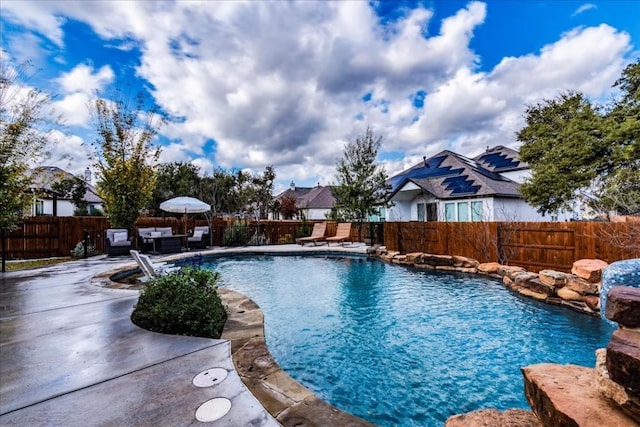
{"x": 146, "y": 235}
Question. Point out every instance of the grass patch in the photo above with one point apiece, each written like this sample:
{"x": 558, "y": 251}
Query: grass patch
{"x": 34, "y": 263}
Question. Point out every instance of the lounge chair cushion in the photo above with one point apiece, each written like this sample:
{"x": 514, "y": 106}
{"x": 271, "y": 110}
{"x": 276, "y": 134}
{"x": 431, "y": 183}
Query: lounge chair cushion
{"x": 120, "y": 237}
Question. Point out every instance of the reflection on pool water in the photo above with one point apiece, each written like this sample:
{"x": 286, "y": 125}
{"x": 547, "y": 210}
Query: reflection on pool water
{"x": 400, "y": 347}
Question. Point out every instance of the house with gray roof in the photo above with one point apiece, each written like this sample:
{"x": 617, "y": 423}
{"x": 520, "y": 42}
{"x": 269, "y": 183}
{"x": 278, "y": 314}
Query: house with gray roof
{"x": 452, "y": 187}
{"x": 48, "y": 202}
{"x": 313, "y": 203}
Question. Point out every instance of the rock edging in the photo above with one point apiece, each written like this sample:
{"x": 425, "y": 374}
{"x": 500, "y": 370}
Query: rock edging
{"x": 579, "y": 291}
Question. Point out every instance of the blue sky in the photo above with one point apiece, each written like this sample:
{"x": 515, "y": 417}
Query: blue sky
{"x": 288, "y": 83}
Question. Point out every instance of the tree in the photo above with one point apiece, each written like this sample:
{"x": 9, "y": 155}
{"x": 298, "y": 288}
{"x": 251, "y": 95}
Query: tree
{"x": 362, "y": 185}
{"x": 261, "y": 192}
{"x": 620, "y": 190}
{"x": 173, "y": 180}
{"x": 73, "y": 188}
{"x": 288, "y": 206}
{"x": 24, "y": 135}
{"x": 125, "y": 156}
{"x": 575, "y": 147}
{"x": 217, "y": 190}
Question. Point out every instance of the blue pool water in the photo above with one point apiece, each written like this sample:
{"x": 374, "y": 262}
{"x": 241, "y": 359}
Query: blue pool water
{"x": 400, "y": 347}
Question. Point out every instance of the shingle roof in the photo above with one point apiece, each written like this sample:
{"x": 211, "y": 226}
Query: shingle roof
{"x": 501, "y": 159}
{"x": 449, "y": 175}
{"x": 43, "y": 177}
{"x": 319, "y": 197}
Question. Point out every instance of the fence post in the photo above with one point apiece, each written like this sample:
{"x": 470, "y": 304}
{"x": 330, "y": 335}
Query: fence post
{"x": 85, "y": 237}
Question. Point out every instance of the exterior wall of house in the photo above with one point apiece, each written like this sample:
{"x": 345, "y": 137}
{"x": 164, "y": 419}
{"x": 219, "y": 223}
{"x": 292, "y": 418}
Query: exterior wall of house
{"x": 519, "y": 210}
{"x": 476, "y": 209}
{"x": 401, "y": 211}
{"x": 317, "y": 214}
{"x": 65, "y": 207}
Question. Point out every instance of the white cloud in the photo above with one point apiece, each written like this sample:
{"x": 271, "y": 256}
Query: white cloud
{"x": 584, "y": 8}
{"x": 83, "y": 79}
{"x": 282, "y": 82}
{"x": 79, "y": 87}
{"x": 37, "y": 17}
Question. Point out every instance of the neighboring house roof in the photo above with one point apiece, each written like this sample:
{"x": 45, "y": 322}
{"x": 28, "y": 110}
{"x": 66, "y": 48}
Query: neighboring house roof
{"x": 501, "y": 159}
{"x": 43, "y": 177}
{"x": 449, "y": 175}
{"x": 319, "y": 197}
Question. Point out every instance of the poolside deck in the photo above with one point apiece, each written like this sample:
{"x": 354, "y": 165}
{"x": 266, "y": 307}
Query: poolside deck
{"x": 71, "y": 356}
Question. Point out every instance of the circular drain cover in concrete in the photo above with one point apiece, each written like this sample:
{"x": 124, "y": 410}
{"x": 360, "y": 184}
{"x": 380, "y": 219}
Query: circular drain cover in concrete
{"x": 210, "y": 377}
{"x": 213, "y": 409}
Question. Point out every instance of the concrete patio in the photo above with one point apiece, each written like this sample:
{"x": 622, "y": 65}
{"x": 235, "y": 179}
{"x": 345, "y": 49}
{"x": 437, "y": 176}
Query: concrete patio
{"x": 70, "y": 354}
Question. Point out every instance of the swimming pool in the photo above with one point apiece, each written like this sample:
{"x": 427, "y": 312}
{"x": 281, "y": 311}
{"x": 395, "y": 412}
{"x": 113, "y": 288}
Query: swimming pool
{"x": 402, "y": 347}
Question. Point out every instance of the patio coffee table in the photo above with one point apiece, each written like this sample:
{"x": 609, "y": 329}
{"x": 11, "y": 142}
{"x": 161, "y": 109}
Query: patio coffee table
{"x": 168, "y": 244}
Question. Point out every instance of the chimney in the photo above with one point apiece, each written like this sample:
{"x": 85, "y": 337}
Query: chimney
{"x": 292, "y": 186}
{"x": 87, "y": 175}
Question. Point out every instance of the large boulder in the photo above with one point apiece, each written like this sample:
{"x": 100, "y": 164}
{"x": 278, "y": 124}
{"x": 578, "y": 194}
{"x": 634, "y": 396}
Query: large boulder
{"x": 489, "y": 267}
{"x": 623, "y": 306}
{"x": 510, "y": 270}
{"x": 462, "y": 261}
{"x": 623, "y": 359}
{"x": 435, "y": 260}
{"x": 553, "y": 278}
{"x": 582, "y": 286}
{"x": 613, "y": 391}
{"x": 493, "y": 417}
{"x": 565, "y": 395}
{"x": 568, "y": 294}
{"x": 414, "y": 257}
{"x": 524, "y": 277}
{"x": 589, "y": 269}
{"x": 537, "y": 286}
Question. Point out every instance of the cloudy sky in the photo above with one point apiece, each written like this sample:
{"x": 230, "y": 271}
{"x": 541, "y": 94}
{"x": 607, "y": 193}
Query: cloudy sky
{"x": 287, "y": 83}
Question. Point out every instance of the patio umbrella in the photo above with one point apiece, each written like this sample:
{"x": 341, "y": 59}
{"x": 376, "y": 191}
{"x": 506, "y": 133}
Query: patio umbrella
{"x": 185, "y": 205}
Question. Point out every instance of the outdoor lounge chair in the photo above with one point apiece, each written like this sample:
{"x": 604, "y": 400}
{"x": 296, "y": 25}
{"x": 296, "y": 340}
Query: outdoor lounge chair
{"x": 343, "y": 233}
{"x": 118, "y": 241}
{"x": 150, "y": 269}
{"x": 201, "y": 237}
{"x": 317, "y": 235}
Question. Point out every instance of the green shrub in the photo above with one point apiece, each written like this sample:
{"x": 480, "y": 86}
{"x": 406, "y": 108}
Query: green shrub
{"x": 305, "y": 228}
{"x": 182, "y": 303}
{"x": 235, "y": 235}
{"x": 78, "y": 251}
{"x": 287, "y": 238}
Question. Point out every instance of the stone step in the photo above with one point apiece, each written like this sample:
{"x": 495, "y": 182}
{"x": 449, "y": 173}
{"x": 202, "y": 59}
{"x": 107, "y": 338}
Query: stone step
{"x": 565, "y": 395}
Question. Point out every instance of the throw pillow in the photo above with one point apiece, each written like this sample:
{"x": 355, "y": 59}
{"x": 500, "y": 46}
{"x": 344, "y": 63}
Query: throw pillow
{"x": 156, "y": 234}
{"x": 198, "y": 234}
{"x": 120, "y": 237}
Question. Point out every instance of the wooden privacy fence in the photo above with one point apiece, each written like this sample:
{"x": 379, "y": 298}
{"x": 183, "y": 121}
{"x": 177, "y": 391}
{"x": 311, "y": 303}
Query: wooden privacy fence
{"x": 532, "y": 245}
{"x": 46, "y": 236}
